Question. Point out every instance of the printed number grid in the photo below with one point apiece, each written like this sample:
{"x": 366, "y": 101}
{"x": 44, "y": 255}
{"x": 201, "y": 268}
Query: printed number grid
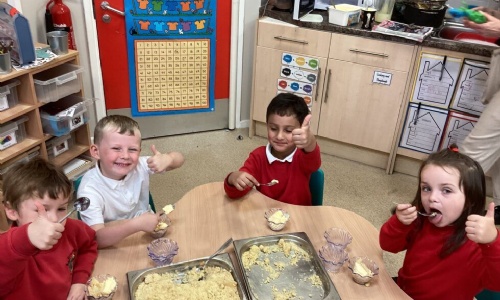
{"x": 172, "y": 74}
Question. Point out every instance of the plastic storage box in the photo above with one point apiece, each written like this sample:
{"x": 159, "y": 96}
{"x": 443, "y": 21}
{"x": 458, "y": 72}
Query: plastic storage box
{"x": 8, "y": 95}
{"x": 59, "y": 145}
{"x": 58, "y": 82}
{"x": 12, "y": 133}
{"x": 61, "y": 117}
{"x": 344, "y": 14}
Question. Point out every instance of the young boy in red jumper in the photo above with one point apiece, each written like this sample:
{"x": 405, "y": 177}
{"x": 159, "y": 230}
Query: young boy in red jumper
{"x": 289, "y": 158}
{"x": 40, "y": 257}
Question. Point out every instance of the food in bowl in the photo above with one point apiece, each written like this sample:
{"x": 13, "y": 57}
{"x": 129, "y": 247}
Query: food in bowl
{"x": 101, "y": 287}
{"x": 163, "y": 223}
{"x": 363, "y": 269}
{"x": 276, "y": 218}
{"x": 218, "y": 284}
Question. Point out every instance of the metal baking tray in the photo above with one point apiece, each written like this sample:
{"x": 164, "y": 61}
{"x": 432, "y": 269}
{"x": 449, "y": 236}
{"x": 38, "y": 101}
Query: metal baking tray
{"x": 222, "y": 260}
{"x": 292, "y": 277}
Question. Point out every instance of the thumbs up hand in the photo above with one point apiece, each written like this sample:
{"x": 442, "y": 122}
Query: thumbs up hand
{"x": 302, "y": 137}
{"x": 481, "y": 229}
{"x": 158, "y": 162}
{"x": 42, "y": 232}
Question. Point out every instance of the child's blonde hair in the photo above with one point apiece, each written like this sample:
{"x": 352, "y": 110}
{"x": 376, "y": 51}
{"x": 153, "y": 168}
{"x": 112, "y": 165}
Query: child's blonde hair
{"x": 123, "y": 124}
{"x": 35, "y": 178}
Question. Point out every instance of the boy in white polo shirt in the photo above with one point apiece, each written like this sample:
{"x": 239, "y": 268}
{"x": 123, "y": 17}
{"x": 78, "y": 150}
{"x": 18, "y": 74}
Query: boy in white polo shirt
{"x": 118, "y": 188}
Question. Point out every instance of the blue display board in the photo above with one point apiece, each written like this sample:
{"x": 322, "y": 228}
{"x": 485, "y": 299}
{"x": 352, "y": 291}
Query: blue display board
{"x": 171, "y": 56}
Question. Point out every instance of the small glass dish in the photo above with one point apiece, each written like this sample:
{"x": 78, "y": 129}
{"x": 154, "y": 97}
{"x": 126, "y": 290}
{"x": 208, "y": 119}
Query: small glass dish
{"x": 363, "y": 269}
{"x": 162, "y": 226}
{"x": 338, "y": 237}
{"x": 162, "y": 251}
{"x": 333, "y": 258}
{"x": 101, "y": 287}
{"x": 276, "y": 218}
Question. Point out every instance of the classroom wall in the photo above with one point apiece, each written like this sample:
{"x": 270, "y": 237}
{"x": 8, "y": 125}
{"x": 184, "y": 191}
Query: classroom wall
{"x": 34, "y": 11}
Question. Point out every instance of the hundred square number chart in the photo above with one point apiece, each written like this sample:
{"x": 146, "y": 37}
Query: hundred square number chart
{"x": 171, "y": 46}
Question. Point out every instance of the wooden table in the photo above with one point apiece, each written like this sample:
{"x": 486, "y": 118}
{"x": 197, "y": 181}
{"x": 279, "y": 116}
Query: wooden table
{"x": 205, "y": 218}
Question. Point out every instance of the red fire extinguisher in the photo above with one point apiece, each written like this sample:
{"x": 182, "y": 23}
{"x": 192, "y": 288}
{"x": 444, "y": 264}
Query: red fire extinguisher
{"x": 58, "y": 17}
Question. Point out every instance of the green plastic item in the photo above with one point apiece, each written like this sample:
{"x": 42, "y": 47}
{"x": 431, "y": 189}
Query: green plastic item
{"x": 475, "y": 16}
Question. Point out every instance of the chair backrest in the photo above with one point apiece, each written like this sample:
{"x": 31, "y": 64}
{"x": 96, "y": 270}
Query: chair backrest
{"x": 316, "y": 187}
{"x": 488, "y": 295}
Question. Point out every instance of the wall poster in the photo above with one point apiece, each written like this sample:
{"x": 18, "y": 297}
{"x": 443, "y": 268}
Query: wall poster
{"x": 471, "y": 87}
{"x": 171, "y": 47}
{"x": 458, "y": 126}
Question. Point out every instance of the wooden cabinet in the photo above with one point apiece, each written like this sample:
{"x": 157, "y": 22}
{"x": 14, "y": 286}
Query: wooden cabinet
{"x": 353, "y": 116}
{"x": 29, "y": 106}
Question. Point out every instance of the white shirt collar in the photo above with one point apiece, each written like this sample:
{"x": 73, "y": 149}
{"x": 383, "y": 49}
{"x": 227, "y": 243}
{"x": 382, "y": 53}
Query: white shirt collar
{"x": 271, "y": 158}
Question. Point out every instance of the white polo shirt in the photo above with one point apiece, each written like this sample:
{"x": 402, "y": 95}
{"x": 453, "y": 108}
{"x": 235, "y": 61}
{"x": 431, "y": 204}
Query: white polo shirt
{"x": 111, "y": 199}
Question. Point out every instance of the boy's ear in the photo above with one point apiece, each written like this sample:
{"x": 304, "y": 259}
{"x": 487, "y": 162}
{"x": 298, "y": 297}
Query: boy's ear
{"x": 10, "y": 212}
{"x": 94, "y": 151}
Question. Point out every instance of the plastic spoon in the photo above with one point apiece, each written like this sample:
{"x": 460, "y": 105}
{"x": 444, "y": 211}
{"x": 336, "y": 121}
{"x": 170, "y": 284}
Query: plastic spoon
{"x": 80, "y": 204}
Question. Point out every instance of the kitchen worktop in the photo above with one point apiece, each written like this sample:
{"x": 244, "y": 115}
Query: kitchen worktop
{"x": 433, "y": 42}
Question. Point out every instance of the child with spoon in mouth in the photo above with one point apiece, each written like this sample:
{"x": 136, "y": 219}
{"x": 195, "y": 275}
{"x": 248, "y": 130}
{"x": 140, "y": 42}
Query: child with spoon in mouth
{"x": 456, "y": 253}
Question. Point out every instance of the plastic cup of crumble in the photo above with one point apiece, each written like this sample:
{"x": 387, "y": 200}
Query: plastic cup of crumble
{"x": 363, "y": 269}
{"x": 276, "y": 218}
{"x": 338, "y": 237}
{"x": 101, "y": 287}
{"x": 162, "y": 251}
{"x": 333, "y": 258}
{"x": 162, "y": 226}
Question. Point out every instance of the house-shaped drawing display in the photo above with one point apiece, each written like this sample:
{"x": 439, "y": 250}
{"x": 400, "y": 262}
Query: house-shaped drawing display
{"x": 471, "y": 87}
{"x": 458, "y": 127}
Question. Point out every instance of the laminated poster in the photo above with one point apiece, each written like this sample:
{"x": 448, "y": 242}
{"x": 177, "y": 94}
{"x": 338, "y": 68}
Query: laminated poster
{"x": 423, "y": 128}
{"x": 458, "y": 126}
{"x": 471, "y": 87}
{"x": 436, "y": 79}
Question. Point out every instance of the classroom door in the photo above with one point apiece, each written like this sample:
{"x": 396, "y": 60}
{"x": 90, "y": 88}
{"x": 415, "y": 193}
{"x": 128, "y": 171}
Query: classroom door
{"x": 111, "y": 32}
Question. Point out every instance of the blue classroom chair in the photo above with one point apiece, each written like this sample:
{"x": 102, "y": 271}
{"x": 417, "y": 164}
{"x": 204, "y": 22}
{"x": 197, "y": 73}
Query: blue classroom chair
{"x": 316, "y": 186}
{"x": 488, "y": 295}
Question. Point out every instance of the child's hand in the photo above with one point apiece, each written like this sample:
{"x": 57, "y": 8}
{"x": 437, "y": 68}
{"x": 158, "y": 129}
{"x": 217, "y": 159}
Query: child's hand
{"x": 147, "y": 221}
{"x": 77, "y": 291}
{"x": 406, "y": 213}
{"x": 43, "y": 233}
{"x": 161, "y": 162}
{"x": 158, "y": 162}
{"x": 242, "y": 180}
{"x": 481, "y": 229}
{"x": 302, "y": 137}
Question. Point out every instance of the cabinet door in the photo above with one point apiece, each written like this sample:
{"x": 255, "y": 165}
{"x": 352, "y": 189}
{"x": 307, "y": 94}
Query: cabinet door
{"x": 357, "y": 111}
{"x": 267, "y": 72}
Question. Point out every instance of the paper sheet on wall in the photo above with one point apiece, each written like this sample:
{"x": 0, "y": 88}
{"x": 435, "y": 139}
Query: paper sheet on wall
{"x": 423, "y": 128}
{"x": 471, "y": 87}
{"x": 429, "y": 89}
{"x": 458, "y": 126}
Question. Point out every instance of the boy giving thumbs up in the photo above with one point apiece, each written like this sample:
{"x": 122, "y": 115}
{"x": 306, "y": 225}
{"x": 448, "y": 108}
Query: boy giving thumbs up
{"x": 290, "y": 157}
{"x": 40, "y": 257}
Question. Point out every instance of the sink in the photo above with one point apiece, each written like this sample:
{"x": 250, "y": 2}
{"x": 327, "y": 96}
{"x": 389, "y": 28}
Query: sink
{"x": 458, "y": 32}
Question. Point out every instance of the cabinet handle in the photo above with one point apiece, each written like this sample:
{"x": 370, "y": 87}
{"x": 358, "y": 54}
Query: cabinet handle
{"x": 282, "y": 38}
{"x": 369, "y": 52}
{"x": 327, "y": 85}
{"x": 317, "y": 85}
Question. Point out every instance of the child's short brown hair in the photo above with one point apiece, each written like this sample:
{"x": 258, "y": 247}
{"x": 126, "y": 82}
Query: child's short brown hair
{"x": 35, "y": 178}
{"x": 288, "y": 104}
{"x": 123, "y": 124}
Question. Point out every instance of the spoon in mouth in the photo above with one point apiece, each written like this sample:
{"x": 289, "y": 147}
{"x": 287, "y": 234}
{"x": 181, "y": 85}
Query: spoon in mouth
{"x": 80, "y": 204}
{"x": 431, "y": 215}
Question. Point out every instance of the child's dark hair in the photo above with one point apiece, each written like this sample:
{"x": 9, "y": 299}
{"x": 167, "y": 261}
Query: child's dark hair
{"x": 471, "y": 180}
{"x": 287, "y": 104}
{"x": 35, "y": 178}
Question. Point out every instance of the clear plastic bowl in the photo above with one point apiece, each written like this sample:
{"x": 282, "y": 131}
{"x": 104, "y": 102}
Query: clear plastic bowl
{"x": 161, "y": 232}
{"x": 333, "y": 258}
{"x": 279, "y": 224}
{"x": 96, "y": 288}
{"x": 162, "y": 251}
{"x": 338, "y": 237}
{"x": 370, "y": 264}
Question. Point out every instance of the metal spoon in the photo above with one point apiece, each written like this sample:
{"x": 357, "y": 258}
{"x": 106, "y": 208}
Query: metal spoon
{"x": 271, "y": 183}
{"x": 432, "y": 215}
{"x": 204, "y": 264}
{"x": 80, "y": 204}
